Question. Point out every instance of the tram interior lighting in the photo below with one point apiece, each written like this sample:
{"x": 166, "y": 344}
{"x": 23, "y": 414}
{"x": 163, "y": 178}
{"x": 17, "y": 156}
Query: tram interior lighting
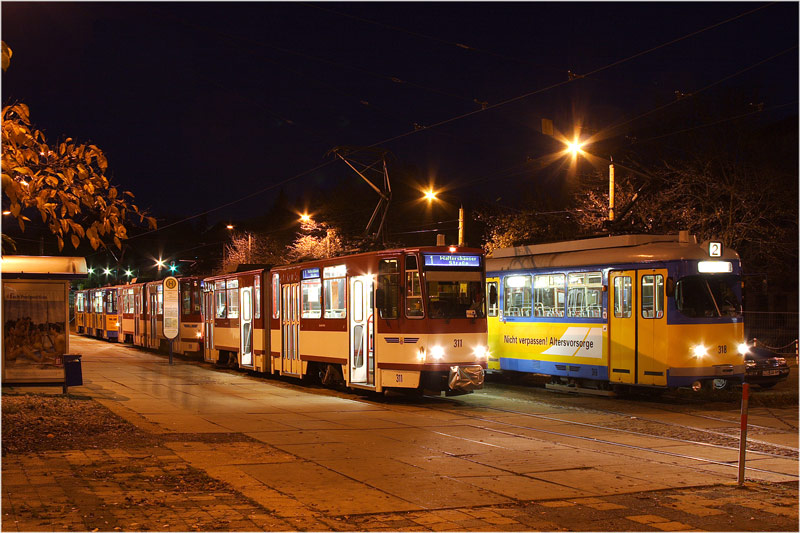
{"x": 699, "y": 350}
{"x": 437, "y": 352}
{"x": 743, "y": 349}
{"x": 516, "y": 281}
{"x": 714, "y": 267}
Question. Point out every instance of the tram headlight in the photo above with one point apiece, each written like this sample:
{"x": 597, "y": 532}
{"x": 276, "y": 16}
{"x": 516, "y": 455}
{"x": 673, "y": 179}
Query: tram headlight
{"x": 437, "y": 352}
{"x": 199, "y": 334}
{"x": 481, "y": 352}
{"x": 744, "y": 349}
{"x": 116, "y": 325}
{"x": 700, "y": 351}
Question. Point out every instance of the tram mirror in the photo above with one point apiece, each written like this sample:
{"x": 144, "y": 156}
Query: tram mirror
{"x": 670, "y": 287}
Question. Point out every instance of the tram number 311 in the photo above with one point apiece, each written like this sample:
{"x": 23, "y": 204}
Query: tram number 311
{"x": 458, "y": 343}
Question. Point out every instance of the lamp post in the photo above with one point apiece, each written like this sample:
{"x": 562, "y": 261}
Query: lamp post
{"x": 575, "y": 148}
{"x": 431, "y": 195}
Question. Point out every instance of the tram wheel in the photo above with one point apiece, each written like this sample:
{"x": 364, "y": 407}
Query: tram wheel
{"x": 720, "y": 384}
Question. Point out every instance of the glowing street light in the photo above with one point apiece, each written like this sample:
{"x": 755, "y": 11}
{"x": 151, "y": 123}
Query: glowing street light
{"x": 230, "y": 226}
{"x": 575, "y": 147}
{"x": 305, "y": 218}
{"x": 106, "y": 271}
{"x": 172, "y": 268}
{"x": 129, "y": 273}
{"x": 430, "y": 195}
{"x": 90, "y": 270}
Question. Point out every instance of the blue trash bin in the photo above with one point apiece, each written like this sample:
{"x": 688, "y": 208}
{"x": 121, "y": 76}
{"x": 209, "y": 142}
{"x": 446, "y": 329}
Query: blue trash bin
{"x": 72, "y": 371}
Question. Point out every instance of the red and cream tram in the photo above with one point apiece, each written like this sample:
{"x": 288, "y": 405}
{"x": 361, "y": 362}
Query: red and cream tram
{"x": 394, "y": 319}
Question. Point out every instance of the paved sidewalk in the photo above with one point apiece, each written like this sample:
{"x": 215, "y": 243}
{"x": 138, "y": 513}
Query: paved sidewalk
{"x": 228, "y": 452}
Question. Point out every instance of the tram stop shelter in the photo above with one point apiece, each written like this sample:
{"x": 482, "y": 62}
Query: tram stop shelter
{"x": 35, "y": 334}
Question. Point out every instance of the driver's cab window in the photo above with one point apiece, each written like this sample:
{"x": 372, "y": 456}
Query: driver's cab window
{"x": 388, "y": 288}
{"x": 413, "y": 289}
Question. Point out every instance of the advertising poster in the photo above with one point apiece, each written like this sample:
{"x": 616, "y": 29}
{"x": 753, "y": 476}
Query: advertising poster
{"x": 34, "y": 330}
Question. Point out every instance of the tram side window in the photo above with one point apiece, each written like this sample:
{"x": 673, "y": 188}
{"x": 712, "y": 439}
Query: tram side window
{"x": 623, "y": 306}
{"x": 413, "y": 289}
{"x": 388, "y": 288}
{"x": 233, "y": 298}
{"x": 652, "y": 296}
{"x": 111, "y": 302}
{"x": 219, "y": 300}
{"x": 98, "y": 302}
{"x": 492, "y": 302}
{"x": 548, "y": 295}
{"x": 79, "y": 302}
{"x": 276, "y": 296}
{"x": 129, "y": 301}
{"x": 312, "y": 301}
{"x": 334, "y": 289}
{"x": 160, "y": 298}
{"x": 585, "y": 294}
{"x": 517, "y": 298}
{"x": 257, "y": 292}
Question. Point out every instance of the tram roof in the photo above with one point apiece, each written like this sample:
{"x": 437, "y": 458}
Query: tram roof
{"x": 617, "y": 249}
{"x": 43, "y": 267}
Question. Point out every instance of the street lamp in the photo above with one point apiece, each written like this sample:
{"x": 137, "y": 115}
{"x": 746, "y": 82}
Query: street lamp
{"x": 431, "y": 195}
{"x": 575, "y": 148}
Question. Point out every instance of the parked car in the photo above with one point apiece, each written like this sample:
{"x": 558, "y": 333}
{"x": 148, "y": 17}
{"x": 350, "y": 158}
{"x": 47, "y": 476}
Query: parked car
{"x": 765, "y": 368}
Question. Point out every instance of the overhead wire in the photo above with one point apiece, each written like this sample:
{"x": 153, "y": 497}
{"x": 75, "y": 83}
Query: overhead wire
{"x": 465, "y": 115}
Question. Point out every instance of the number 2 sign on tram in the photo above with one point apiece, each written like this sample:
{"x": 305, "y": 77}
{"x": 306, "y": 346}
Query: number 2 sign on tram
{"x": 171, "y": 311}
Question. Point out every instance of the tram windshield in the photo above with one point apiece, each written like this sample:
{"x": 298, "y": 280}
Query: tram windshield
{"x": 450, "y": 295}
{"x": 708, "y": 296}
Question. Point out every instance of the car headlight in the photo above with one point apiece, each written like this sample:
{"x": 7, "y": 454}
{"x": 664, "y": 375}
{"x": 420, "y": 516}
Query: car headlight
{"x": 744, "y": 349}
{"x": 437, "y": 352}
{"x": 778, "y": 361}
{"x": 699, "y": 351}
{"x": 750, "y": 363}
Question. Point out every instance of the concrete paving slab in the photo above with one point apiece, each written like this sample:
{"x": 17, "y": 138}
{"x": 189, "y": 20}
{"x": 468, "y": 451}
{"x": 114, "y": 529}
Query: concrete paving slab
{"x": 431, "y": 491}
{"x": 525, "y": 488}
{"x": 186, "y": 423}
{"x": 450, "y": 466}
{"x": 294, "y": 437}
{"x": 598, "y": 481}
{"x": 330, "y": 492}
{"x": 369, "y": 468}
{"x": 205, "y": 455}
{"x": 667, "y": 475}
{"x": 778, "y": 464}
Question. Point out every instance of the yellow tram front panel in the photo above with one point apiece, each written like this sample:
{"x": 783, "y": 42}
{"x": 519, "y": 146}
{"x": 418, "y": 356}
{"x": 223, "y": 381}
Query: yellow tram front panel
{"x": 704, "y": 351}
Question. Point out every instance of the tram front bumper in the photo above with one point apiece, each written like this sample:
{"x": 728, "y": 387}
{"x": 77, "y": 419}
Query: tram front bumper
{"x": 466, "y": 378}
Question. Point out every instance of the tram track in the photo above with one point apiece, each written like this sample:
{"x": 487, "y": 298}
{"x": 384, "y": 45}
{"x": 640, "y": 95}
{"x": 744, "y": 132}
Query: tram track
{"x": 720, "y": 433}
{"x": 518, "y": 430}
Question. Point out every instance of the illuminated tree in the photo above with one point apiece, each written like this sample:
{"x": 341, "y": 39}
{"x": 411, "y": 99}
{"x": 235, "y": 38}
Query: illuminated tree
{"x": 252, "y": 248}
{"x": 64, "y": 182}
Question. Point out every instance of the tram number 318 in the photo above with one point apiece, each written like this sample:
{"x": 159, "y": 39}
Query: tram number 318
{"x": 722, "y": 348}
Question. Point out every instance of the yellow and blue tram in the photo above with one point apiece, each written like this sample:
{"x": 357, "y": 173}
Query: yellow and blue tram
{"x": 631, "y": 310}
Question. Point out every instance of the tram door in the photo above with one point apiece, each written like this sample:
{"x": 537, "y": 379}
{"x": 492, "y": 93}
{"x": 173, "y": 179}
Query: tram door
{"x": 362, "y": 334}
{"x": 290, "y": 326}
{"x": 246, "y": 326}
{"x": 652, "y": 328}
{"x": 137, "y": 314}
{"x": 208, "y": 324}
{"x": 637, "y": 327}
{"x": 152, "y": 332}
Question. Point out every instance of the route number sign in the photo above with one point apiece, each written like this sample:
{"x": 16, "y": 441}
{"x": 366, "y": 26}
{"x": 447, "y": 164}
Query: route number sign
{"x": 171, "y": 307}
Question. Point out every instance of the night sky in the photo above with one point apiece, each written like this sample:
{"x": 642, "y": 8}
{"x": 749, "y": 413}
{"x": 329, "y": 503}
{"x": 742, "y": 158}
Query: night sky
{"x": 200, "y": 104}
